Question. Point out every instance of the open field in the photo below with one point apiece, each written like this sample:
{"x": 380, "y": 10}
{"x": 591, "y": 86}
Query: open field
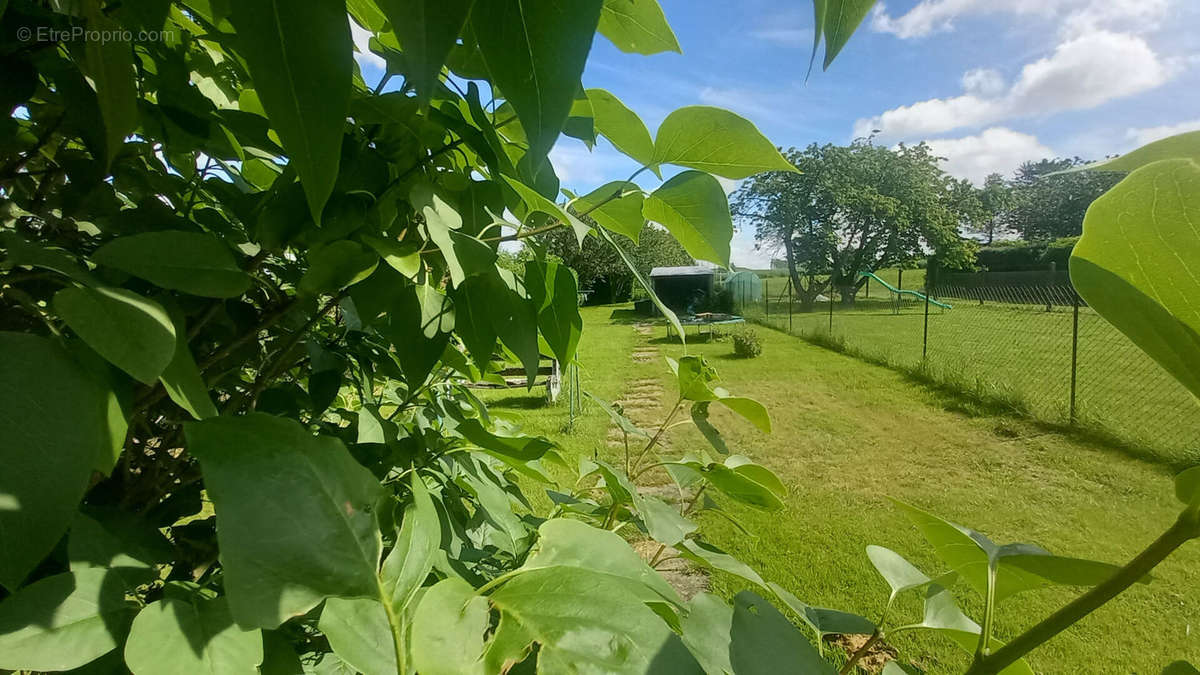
{"x": 1019, "y": 355}
{"x": 848, "y": 434}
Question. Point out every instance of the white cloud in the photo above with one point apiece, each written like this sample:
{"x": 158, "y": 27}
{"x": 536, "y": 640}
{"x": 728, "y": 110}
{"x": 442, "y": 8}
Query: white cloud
{"x": 994, "y": 150}
{"x": 741, "y": 101}
{"x": 1075, "y": 17}
{"x": 1144, "y": 135}
{"x": 1083, "y": 72}
{"x": 983, "y": 82}
{"x": 365, "y": 57}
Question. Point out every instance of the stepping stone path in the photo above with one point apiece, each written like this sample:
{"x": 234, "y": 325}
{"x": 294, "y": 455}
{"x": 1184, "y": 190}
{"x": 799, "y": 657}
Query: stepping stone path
{"x": 642, "y": 404}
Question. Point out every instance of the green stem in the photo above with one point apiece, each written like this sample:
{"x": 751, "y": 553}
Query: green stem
{"x": 658, "y": 434}
{"x": 989, "y": 610}
{"x": 397, "y": 625}
{"x": 1185, "y": 528}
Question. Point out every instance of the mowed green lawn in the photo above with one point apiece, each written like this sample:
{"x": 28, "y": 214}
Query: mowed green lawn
{"x": 1022, "y": 354}
{"x": 848, "y": 435}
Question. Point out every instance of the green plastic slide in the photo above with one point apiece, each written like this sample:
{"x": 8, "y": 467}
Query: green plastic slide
{"x": 900, "y": 291}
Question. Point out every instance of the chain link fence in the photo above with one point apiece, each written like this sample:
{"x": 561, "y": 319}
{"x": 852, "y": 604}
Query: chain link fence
{"x": 1028, "y": 344}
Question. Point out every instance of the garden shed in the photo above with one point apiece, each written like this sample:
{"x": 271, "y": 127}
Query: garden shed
{"x": 682, "y": 288}
{"x": 744, "y": 287}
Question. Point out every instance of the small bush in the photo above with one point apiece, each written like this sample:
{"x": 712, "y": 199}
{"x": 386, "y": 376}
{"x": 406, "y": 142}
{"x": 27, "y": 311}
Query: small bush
{"x": 746, "y": 343}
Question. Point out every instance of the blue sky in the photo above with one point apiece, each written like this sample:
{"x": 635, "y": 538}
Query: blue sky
{"x": 989, "y": 83}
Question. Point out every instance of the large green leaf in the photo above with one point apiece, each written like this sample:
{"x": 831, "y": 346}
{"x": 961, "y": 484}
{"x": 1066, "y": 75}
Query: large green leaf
{"x": 1018, "y": 567}
{"x": 710, "y": 556}
{"x": 182, "y": 379}
{"x": 717, "y": 141}
{"x": 1181, "y": 146}
{"x": 622, "y": 215}
{"x": 406, "y": 567}
{"x": 273, "y": 484}
{"x": 465, "y": 256}
{"x": 740, "y": 487}
{"x": 535, "y": 202}
{"x": 748, "y": 408}
{"x": 427, "y": 30}
{"x": 448, "y": 629}
{"x": 693, "y": 207}
{"x": 183, "y": 261}
{"x": 133, "y": 332}
{"x": 126, "y": 545}
{"x": 535, "y": 52}
{"x": 300, "y": 57}
{"x": 110, "y": 66}
{"x": 944, "y": 616}
{"x": 334, "y": 267}
{"x": 555, "y": 294}
{"x": 47, "y": 463}
{"x": 900, "y": 574}
{"x": 186, "y": 635}
{"x": 359, "y": 633}
{"x": 1135, "y": 263}
{"x": 751, "y": 637}
{"x": 838, "y": 21}
{"x": 64, "y": 621}
{"x": 572, "y": 544}
{"x": 620, "y": 125}
{"x": 822, "y": 620}
{"x": 637, "y": 26}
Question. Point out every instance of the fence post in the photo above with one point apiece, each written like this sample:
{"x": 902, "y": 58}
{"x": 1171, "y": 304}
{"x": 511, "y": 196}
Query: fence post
{"x": 831, "y": 305}
{"x": 789, "y": 306}
{"x": 767, "y": 299}
{"x": 1074, "y": 349}
{"x": 925, "y": 335}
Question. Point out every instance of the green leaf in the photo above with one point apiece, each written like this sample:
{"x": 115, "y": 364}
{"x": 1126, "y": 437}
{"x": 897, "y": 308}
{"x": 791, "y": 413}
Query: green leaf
{"x": 622, "y": 215}
{"x": 693, "y": 207}
{"x": 632, "y": 266}
{"x": 693, "y": 375}
{"x": 555, "y": 294}
{"x": 191, "y": 262}
{"x": 663, "y": 521}
{"x": 750, "y": 637}
{"x": 571, "y": 544}
{"x": 406, "y": 567}
{"x": 132, "y": 332}
{"x": 175, "y": 636}
{"x": 535, "y": 202}
{"x": 127, "y": 546}
{"x": 944, "y": 616}
{"x": 841, "y": 18}
{"x": 182, "y": 379}
{"x": 465, "y": 256}
{"x": 712, "y": 557}
{"x": 25, "y": 253}
{"x": 405, "y": 259}
{"x": 742, "y": 488}
{"x": 273, "y": 484}
{"x": 359, "y": 634}
{"x": 63, "y": 621}
{"x": 900, "y": 574}
{"x": 620, "y": 125}
{"x": 46, "y": 463}
{"x": 448, "y": 629}
{"x": 748, "y": 408}
{"x": 757, "y": 473}
{"x": 535, "y": 52}
{"x": 822, "y": 620}
{"x": 427, "y": 29}
{"x": 619, "y": 419}
{"x": 279, "y": 657}
{"x": 1180, "y": 668}
{"x": 585, "y": 620}
{"x": 1018, "y": 567}
{"x": 334, "y": 267}
{"x": 418, "y": 322}
{"x": 717, "y": 141}
{"x": 109, "y": 64}
{"x": 637, "y": 27}
{"x": 1181, "y": 146}
{"x": 1187, "y": 486}
{"x": 1134, "y": 263}
{"x": 300, "y": 58}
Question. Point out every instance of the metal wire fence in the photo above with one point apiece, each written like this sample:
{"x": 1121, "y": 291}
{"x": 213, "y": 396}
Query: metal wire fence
{"x": 1037, "y": 349}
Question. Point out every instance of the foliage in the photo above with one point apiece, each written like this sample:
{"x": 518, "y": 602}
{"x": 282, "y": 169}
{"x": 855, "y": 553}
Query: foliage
{"x": 1047, "y": 203}
{"x": 1023, "y": 256}
{"x": 746, "y": 343}
{"x": 855, "y": 208}
{"x": 602, "y": 270}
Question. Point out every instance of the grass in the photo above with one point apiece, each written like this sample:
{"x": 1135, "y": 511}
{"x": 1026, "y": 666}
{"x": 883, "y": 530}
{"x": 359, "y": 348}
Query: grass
{"x": 1021, "y": 353}
{"x": 848, "y": 434}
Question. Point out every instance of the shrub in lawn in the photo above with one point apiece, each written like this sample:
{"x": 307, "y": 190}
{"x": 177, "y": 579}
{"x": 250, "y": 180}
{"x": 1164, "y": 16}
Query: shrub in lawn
{"x": 746, "y": 343}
